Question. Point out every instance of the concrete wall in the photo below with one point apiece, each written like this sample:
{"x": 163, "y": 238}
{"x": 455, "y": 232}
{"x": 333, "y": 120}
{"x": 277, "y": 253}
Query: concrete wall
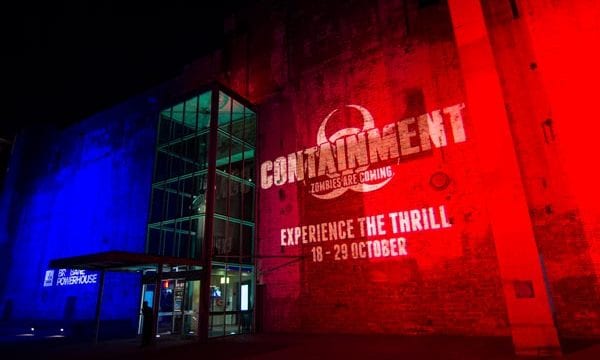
{"x": 398, "y": 59}
{"x": 544, "y": 57}
{"x": 75, "y": 191}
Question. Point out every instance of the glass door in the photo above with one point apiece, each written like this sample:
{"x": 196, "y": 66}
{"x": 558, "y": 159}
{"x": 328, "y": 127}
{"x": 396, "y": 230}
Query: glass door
{"x": 191, "y": 307}
{"x": 166, "y": 307}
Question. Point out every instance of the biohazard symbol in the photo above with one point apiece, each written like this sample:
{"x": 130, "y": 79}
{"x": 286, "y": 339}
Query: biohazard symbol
{"x": 368, "y": 124}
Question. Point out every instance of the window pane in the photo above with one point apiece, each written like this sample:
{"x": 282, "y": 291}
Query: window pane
{"x": 247, "y": 244}
{"x": 250, "y": 128}
{"x": 221, "y": 195}
{"x": 225, "y": 103}
{"x": 226, "y": 240}
{"x": 235, "y": 199}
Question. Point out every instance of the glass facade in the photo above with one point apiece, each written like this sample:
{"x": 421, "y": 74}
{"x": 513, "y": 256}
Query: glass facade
{"x": 188, "y": 220}
{"x": 232, "y": 276}
{"x": 178, "y": 210}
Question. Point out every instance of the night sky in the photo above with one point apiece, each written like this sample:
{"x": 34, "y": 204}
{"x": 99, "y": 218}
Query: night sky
{"x": 64, "y": 60}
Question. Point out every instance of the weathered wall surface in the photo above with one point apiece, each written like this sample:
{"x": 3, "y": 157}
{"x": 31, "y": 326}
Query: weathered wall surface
{"x": 543, "y": 53}
{"x": 399, "y": 60}
{"x": 77, "y": 191}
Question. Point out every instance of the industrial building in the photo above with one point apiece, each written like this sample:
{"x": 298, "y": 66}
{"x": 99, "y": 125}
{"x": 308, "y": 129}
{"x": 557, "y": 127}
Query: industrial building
{"x": 390, "y": 167}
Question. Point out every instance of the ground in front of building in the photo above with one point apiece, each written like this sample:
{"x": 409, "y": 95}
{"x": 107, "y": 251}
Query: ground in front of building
{"x": 292, "y": 346}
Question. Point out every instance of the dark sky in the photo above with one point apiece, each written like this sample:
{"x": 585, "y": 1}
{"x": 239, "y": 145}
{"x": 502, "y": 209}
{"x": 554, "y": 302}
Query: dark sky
{"x": 65, "y": 59}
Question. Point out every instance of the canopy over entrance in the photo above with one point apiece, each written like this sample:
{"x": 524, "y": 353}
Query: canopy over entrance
{"x": 119, "y": 261}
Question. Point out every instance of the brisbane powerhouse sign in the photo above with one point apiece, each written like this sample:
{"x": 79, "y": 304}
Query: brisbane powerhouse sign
{"x": 352, "y": 159}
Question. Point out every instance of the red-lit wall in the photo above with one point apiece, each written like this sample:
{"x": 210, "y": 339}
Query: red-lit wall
{"x": 519, "y": 183}
{"x": 548, "y": 65}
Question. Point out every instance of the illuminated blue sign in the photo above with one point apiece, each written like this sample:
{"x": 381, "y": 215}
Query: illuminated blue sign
{"x": 67, "y": 277}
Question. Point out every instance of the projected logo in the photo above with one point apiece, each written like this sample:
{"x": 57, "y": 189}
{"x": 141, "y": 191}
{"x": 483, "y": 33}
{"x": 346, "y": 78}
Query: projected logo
{"x": 361, "y": 159}
{"x": 349, "y": 179}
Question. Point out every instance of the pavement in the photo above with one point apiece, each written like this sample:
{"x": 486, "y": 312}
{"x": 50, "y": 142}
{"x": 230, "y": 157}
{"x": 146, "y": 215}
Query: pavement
{"x": 289, "y": 347}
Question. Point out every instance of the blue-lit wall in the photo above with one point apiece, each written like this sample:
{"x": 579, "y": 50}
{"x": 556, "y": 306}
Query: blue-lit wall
{"x": 75, "y": 191}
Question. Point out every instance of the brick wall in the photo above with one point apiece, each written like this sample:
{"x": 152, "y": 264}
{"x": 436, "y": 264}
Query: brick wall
{"x": 398, "y": 59}
{"x": 553, "y": 170}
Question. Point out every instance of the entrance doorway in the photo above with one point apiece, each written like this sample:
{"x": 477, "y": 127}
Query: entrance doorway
{"x": 231, "y": 299}
{"x": 178, "y": 306}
